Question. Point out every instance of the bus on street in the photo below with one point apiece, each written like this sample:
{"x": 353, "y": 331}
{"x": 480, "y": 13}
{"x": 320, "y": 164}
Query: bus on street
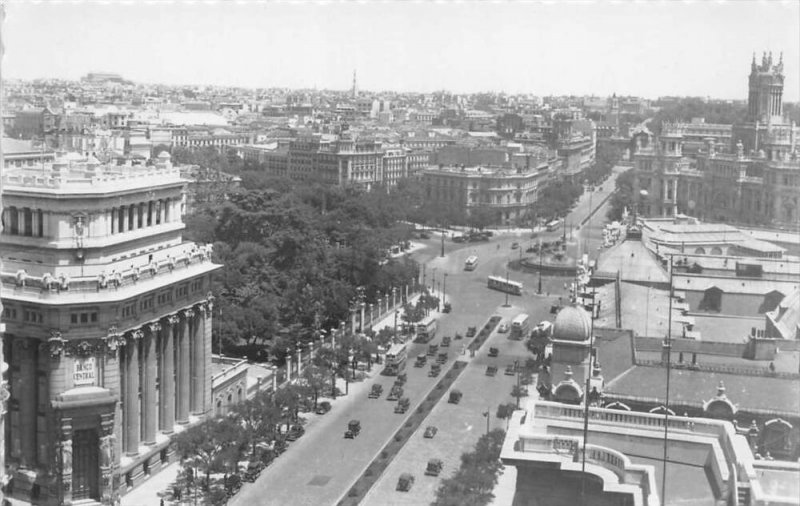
{"x": 395, "y": 360}
{"x": 498, "y": 283}
{"x": 520, "y": 326}
{"x": 472, "y": 263}
{"x": 553, "y": 225}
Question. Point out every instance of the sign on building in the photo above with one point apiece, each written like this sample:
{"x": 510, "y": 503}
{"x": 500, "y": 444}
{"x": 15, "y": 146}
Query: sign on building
{"x": 84, "y": 372}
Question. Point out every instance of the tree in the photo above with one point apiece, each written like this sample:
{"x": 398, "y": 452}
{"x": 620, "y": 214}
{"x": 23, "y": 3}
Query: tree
{"x": 623, "y": 197}
{"x": 258, "y": 417}
{"x": 474, "y": 481}
{"x": 202, "y": 445}
{"x": 315, "y": 377}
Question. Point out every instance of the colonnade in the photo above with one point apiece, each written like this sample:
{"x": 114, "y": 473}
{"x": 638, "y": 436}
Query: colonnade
{"x": 165, "y": 366}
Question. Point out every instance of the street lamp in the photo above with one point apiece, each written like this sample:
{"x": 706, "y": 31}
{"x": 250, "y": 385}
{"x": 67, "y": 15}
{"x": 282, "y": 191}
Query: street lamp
{"x": 516, "y": 369}
{"x": 443, "y": 234}
{"x": 444, "y": 290}
{"x": 488, "y": 416}
{"x": 540, "y": 268}
{"x": 506, "y": 304}
{"x": 433, "y": 279}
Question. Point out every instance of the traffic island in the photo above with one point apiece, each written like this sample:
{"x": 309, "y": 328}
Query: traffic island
{"x": 374, "y": 470}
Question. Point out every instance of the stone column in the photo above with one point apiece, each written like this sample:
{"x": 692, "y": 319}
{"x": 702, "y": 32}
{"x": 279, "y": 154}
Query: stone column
{"x": 198, "y": 360}
{"x": 184, "y": 364}
{"x": 131, "y": 409}
{"x": 149, "y": 400}
{"x": 64, "y": 456}
{"x": 167, "y": 373}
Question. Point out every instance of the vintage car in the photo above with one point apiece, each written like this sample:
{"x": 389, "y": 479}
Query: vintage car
{"x": 446, "y": 341}
{"x": 493, "y": 352}
{"x": 375, "y": 391}
{"x": 510, "y": 370}
{"x": 353, "y": 429}
{"x": 441, "y": 358}
{"x": 401, "y": 379}
{"x": 491, "y": 370}
{"x": 323, "y": 407}
{"x": 447, "y": 307}
{"x": 434, "y": 467}
{"x": 430, "y": 431}
{"x": 455, "y": 396}
{"x": 395, "y": 393}
{"x": 254, "y": 468}
{"x": 295, "y": 433}
{"x": 433, "y": 349}
{"x": 471, "y": 331}
{"x": 421, "y": 361}
{"x": 458, "y": 336}
{"x": 503, "y": 328}
{"x": 405, "y": 482}
{"x": 435, "y": 370}
{"x": 402, "y": 405}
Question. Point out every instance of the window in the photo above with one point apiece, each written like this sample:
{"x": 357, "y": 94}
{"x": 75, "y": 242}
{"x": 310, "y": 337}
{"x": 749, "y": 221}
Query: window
{"x": 73, "y": 318}
{"x": 9, "y": 313}
{"x": 129, "y": 310}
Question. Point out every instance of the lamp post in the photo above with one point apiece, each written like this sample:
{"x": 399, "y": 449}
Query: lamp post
{"x": 433, "y": 279}
{"x": 444, "y": 290}
{"x": 539, "y": 291}
{"x": 443, "y": 234}
{"x": 516, "y": 369}
{"x": 396, "y": 312}
{"x": 488, "y": 416}
{"x": 506, "y": 304}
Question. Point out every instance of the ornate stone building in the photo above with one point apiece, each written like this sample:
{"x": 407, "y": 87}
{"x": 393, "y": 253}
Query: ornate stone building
{"x": 755, "y": 179}
{"x": 108, "y": 327}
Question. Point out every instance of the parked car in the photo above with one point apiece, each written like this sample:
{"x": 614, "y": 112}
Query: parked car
{"x": 447, "y": 307}
{"x": 446, "y": 341}
{"x": 295, "y": 433}
{"x": 433, "y": 349}
{"x": 455, "y": 397}
{"x": 441, "y": 358}
{"x": 323, "y": 407}
{"x": 434, "y": 467}
{"x": 435, "y": 370}
{"x": 376, "y": 391}
{"x": 421, "y": 361}
{"x": 493, "y": 352}
{"x": 353, "y": 429}
{"x": 471, "y": 331}
{"x": 401, "y": 379}
{"x": 510, "y": 370}
{"x": 402, "y": 405}
{"x": 491, "y": 370}
{"x": 514, "y": 245}
{"x": 459, "y": 238}
{"x": 405, "y": 482}
{"x": 254, "y": 468}
{"x": 503, "y": 328}
{"x": 395, "y": 393}
{"x": 430, "y": 431}
{"x": 458, "y": 336}
{"x": 424, "y": 235}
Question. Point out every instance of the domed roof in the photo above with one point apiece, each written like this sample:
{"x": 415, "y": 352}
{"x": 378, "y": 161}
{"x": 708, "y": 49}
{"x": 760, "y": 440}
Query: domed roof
{"x": 572, "y": 324}
{"x": 163, "y": 156}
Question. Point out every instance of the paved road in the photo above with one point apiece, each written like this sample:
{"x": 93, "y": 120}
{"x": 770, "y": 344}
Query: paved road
{"x": 321, "y": 466}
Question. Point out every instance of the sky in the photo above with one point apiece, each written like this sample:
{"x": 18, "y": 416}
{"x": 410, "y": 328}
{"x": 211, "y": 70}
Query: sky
{"x": 643, "y": 48}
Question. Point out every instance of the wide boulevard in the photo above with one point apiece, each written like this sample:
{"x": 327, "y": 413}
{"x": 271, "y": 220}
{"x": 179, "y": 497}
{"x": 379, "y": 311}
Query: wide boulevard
{"x": 320, "y": 467}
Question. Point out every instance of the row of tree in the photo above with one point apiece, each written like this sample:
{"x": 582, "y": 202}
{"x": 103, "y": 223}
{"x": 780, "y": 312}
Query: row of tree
{"x": 474, "y": 481}
{"x": 297, "y": 257}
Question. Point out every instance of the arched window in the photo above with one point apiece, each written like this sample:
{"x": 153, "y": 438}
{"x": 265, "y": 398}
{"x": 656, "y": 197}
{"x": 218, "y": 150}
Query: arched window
{"x": 700, "y": 251}
{"x": 716, "y": 250}
{"x": 218, "y": 408}
{"x": 239, "y": 395}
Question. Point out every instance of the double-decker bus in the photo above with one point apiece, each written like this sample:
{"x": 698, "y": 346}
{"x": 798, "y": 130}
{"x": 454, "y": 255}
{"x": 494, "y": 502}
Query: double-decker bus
{"x": 472, "y": 263}
{"x": 395, "y": 360}
{"x": 520, "y": 326}
{"x": 498, "y": 283}
{"x": 553, "y": 225}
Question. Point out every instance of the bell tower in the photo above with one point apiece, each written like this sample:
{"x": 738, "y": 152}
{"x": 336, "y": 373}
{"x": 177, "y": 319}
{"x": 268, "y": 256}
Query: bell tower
{"x": 765, "y": 98}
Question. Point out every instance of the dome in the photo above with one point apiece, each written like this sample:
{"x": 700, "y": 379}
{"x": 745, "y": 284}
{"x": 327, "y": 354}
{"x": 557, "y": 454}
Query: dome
{"x": 164, "y": 156}
{"x": 572, "y": 324}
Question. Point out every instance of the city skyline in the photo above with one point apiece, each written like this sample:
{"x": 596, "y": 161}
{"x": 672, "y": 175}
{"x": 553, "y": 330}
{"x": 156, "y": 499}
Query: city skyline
{"x": 644, "y": 49}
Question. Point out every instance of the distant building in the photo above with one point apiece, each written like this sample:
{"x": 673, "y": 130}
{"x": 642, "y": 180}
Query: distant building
{"x": 507, "y": 192}
{"x": 755, "y": 179}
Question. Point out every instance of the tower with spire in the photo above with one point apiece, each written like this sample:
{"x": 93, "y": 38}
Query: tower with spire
{"x": 355, "y": 85}
{"x": 765, "y": 99}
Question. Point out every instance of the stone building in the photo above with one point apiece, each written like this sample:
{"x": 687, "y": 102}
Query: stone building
{"x": 108, "y": 327}
{"x": 755, "y": 179}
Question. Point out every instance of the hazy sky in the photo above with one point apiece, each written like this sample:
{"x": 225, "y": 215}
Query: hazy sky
{"x": 646, "y": 48}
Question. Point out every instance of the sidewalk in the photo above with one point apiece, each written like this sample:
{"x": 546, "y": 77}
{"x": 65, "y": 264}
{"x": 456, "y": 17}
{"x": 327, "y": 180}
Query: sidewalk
{"x": 146, "y": 494}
